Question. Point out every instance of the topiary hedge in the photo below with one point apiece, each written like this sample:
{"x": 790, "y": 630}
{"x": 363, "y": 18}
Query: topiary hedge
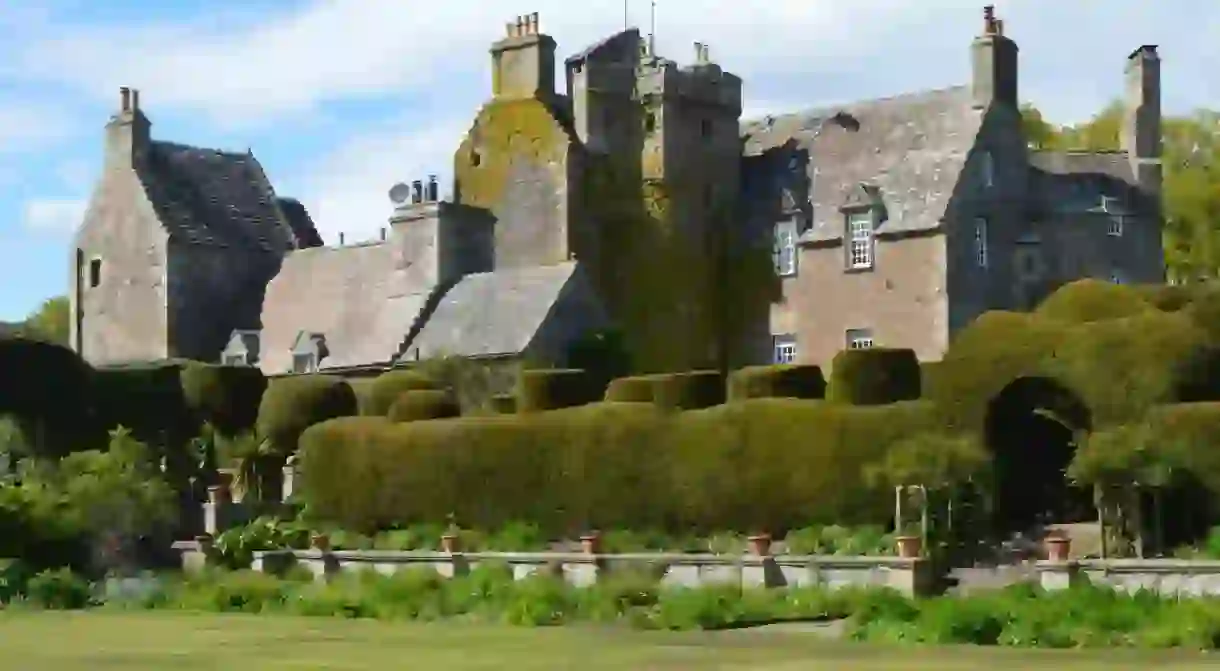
{"x": 759, "y": 464}
{"x": 874, "y": 376}
{"x": 1091, "y": 300}
{"x": 147, "y": 399}
{"x": 777, "y": 381}
{"x": 386, "y": 388}
{"x": 292, "y": 404}
{"x": 632, "y": 389}
{"x": 44, "y": 383}
{"x": 539, "y": 390}
{"x": 226, "y": 396}
{"x": 504, "y": 404}
{"x": 672, "y": 391}
{"x": 422, "y": 404}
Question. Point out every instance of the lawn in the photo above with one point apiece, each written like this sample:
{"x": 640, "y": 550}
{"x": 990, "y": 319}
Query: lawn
{"x": 97, "y": 641}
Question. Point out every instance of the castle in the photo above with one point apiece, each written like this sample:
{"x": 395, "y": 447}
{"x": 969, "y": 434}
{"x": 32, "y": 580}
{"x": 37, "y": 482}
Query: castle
{"x": 636, "y": 199}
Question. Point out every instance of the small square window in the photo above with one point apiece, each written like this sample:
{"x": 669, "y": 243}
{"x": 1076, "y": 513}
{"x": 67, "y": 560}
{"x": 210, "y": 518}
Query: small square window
{"x": 859, "y": 338}
{"x": 784, "y": 348}
{"x": 95, "y": 273}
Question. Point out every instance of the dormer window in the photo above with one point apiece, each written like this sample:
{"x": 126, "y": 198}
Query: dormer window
{"x": 308, "y": 352}
{"x": 235, "y": 360}
{"x": 860, "y": 240}
{"x": 242, "y": 348}
{"x": 305, "y": 363}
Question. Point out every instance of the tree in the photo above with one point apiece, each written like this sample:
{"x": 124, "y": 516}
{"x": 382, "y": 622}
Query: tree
{"x": 50, "y": 322}
{"x": 1191, "y": 190}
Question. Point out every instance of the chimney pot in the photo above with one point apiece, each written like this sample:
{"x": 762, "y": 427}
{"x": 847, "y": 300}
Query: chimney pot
{"x": 417, "y": 191}
{"x": 383, "y": 233}
{"x": 340, "y": 239}
{"x": 989, "y": 21}
{"x": 135, "y": 100}
{"x": 433, "y": 194}
{"x": 124, "y": 99}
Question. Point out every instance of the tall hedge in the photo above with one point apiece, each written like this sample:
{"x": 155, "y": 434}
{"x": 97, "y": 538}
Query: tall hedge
{"x": 539, "y": 390}
{"x": 148, "y": 399}
{"x": 766, "y": 463}
{"x": 777, "y": 381}
{"x": 874, "y": 376}
{"x": 292, "y": 404}
{"x": 421, "y": 404}
{"x": 1090, "y": 300}
{"x": 226, "y": 396}
{"x": 49, "y": 385}
{"x": 386, "y": 388}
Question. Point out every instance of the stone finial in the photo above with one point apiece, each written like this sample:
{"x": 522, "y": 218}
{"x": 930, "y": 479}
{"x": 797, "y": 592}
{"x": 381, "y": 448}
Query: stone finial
{"x": 989, "y": 21}
{"x": 124, "y": 99}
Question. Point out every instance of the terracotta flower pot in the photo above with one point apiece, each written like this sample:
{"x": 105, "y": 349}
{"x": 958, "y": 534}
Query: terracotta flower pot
{"x": 760, "y": 544}
{"x": 319, "y": 541}
{"x": 909, "y": 547}
{"x": 591, "y": 543}
{"x": 1058, "y": 548}
{"x": 449, "y": 543}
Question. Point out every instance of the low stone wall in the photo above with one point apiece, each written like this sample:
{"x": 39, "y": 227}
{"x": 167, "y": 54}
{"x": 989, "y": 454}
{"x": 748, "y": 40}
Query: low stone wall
{"x": 1162, "y": 576}
{"x": 910, "y": 576}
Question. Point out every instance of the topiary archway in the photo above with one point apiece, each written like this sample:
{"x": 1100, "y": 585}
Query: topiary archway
{"x": 1031, "y": 427}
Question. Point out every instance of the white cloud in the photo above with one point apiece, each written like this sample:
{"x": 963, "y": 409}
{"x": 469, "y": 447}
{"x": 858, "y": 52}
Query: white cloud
{"x": 24, "y": 127}
{"x": 53, "y": 216}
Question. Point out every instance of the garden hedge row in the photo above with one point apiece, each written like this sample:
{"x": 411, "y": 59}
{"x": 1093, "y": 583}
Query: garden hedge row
{"x": 292, "y": 404}
{"x": 421, "y": 404}
{"x": 672, "y": 391}
{"x": 874, "y": 376}
{"x": 539, "y": 390}
{"x": 385, "y": 389}
{"x": 777, "y": 381}
{"x": 758, "y": 464}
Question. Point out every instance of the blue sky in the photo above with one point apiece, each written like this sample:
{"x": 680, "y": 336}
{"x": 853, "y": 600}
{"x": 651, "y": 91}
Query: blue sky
{"x": 341, "y": 98}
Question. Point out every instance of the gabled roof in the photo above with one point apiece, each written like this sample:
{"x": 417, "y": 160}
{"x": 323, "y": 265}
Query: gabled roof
{"x": 911, "y": 148}
{"x": 222, "y": 199}
{"x": 494, "y": 314}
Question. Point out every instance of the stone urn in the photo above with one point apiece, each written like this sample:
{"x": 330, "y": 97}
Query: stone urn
{"x": 449, "y": 543}
{"x": 909, "y": 546}
{"x": 760, "y": 544}
{"x": 1058, "y": 547}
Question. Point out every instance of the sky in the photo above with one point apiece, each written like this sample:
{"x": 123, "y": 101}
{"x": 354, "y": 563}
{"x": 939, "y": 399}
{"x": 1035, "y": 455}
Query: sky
{"x": 340, "y": 99}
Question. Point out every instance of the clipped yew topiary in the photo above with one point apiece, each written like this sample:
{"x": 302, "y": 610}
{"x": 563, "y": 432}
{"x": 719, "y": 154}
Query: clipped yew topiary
{"x": 386, "y": 388}
{"x": 504, "y": 404}
{"x": 339, "y": 463}
{"x": 539, "y": 390}
{"x": 292, "y": 404}
{"x": 632, "y": 389}
{"x": 50, "y": 385}
{"x": 1090, "y": 300}
{"x": 874, "y": 376}
{"x": 421, "y": 404}
{"x": 226, "y": 396}
{"x": 147, "y": 399}
{"x": 689, "y": 391}
{"x": 777, "y": 381}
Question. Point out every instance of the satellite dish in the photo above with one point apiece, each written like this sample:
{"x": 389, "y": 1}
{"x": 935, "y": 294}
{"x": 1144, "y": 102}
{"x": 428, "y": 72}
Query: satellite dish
{"x": 399, "y": 193}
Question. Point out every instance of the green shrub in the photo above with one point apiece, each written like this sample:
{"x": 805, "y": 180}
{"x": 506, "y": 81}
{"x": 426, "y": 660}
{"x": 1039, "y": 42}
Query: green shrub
{"x": 58, "y": 589}
{"x": 424, "y": 404}
{"x": 539, "y": 390}
{"x": 338, "y": 466}
{"x": 777, "y": 381}
{"x": 1167, "y": 297}
{"x": 874, "y": 376}
{"x": 385, "y": 389}
{"x": 635, "y": 389}
{"x": 362, "y": 387}
{"x": 1090, "y": 300}
{"x": 227, "y": 397}
{"x": 292, "y": 404}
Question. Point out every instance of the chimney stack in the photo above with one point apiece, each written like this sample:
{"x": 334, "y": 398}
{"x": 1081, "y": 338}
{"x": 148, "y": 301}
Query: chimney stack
{"x": 1141, "y": 132}
{"x": 124, "y": 99}
{"x": 994, "y": 63}
{"x": 523, "y": 62}
{"x": 383, "y": 233}
{"x": 135, "y": 100}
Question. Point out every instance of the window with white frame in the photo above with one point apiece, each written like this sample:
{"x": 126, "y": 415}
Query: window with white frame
{"x": 987, "y": 167}
{"x": 980, "y": 241}
{"x": 859, "y": 338}
{"x": 860, "y": 240}
{"x": 305, "y": 363}
{"x": 785, "y": 248}
{"x": 235, "y": 360}
{"x": 1114, "y": 216}
{"x": 784, "y": 347}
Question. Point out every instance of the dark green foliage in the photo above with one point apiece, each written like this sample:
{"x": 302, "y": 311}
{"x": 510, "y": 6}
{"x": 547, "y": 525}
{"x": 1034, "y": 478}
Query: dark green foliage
{"x": 928, "y": 370}
{"x": 292, "y": 404}
{"x": 504, "y": 404}
{"x": 225, "y": 396}
{"x": 421, "y": 404}
{"x": 148, "y": 400}
{"x": 777, "y": 381}
{"x": 689, "y": 391}
{"x": 874, "y": 376}
{"x": 539, "y": 390}
{"x": 603, "y": 354}
{"x": 386, "y": 388}
{"x": 47, "y": 386}
{"x": 1090, "y": 300}
{"x": 767, "y": 463}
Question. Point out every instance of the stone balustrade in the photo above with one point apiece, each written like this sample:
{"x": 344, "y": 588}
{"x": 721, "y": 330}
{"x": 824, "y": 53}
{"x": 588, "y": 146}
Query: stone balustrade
{"x": 1169, "y": 577}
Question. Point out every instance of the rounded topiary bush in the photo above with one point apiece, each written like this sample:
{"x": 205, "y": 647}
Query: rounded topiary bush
{"x": 689, "y": 391}
{"x": 539, "y": 390}
{"x": 226, "y": 396}
{"x": 777, "y": 381}
{"x": 874, "y": 376}
{"x": 292, "y": 404}
{"x": 1092, "y": 300}
{"x": 147, "y": 399}
{"x": 386, "y": 388}
{"x": 632, "y": 389}
{"x": 422, "y": 404}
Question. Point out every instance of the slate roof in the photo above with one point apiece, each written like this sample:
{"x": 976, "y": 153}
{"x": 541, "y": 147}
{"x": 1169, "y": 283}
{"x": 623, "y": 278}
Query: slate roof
{"x": 1073, "y": 178}
{"x": 216, "y": 198}
{"x": 911, "y": 148}
{"x": 360, "y": 298}
{"x": 494, "y": 314}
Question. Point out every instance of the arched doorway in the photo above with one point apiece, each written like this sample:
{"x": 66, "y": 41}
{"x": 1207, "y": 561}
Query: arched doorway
{"x": 1031, "y": 430}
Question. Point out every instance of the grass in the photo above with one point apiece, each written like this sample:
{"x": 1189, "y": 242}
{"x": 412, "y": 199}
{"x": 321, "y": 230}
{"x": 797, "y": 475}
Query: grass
{"x": 97, "y": 641}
